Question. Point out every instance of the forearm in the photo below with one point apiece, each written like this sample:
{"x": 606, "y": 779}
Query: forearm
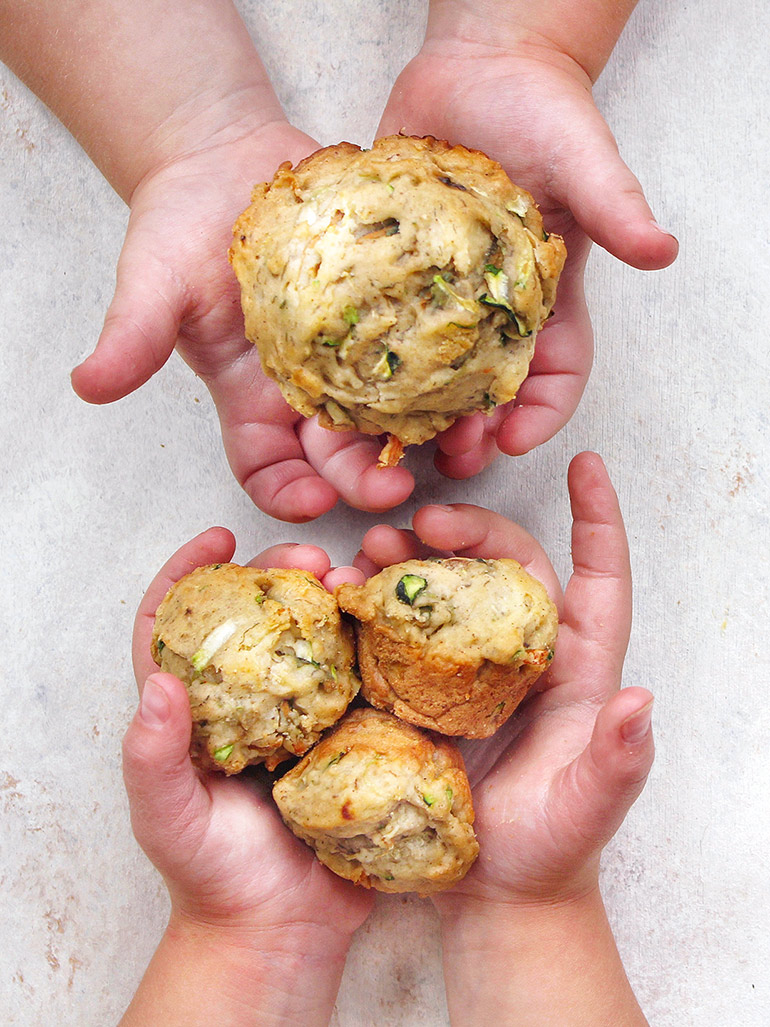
{"x": 198, "y": 977}
{"x": 137, "y": 84}
{"x": 536, "y": 967}
{"x": 584, "y": 30}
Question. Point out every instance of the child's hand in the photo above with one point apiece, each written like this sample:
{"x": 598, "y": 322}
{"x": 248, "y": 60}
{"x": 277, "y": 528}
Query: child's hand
{"x": 175, "y": 287}
{"x": 525, "y": 935}
{"x": 555, "y": 783}
{"x": 239, "y": 881}
{"x": 481, "y": 79}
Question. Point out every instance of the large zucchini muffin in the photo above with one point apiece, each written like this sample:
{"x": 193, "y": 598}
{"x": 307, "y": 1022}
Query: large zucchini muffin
{"x": 266, "y": 658}
{"x": 383, "y": 804}
{"x": 451, "y": 644}
{"x": 395, "y": 289}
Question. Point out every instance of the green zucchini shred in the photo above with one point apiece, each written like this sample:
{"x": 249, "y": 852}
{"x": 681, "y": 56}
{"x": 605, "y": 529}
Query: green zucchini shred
{"x": 409, "y": 587}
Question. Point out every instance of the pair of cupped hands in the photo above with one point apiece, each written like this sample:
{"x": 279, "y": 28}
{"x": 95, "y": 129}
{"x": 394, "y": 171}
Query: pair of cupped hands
{"x": 555, "y": 783}
{"x": 550, "y": 788}
{"x": 531, "y": 110}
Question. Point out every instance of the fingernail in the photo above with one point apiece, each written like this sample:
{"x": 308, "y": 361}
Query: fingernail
{"x": 446, "y": 509}
{"x": 635, "y": 728}
{"x": 154, "y": 707}
{"x": 659, "y": 228}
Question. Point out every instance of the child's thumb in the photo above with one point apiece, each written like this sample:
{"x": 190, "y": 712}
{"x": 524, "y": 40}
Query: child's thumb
{"x": 607, "y": 200}
{"x": 168, "y": 802}
{"x": 603, "y": 782}
{"x": 140, "y": 328}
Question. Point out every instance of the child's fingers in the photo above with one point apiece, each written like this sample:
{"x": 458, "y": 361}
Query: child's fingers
{"x": 560, "y": 367}
{"x": 596, "y": 618}
{"x": 260, "y": 438}
{"x": 589, "y": 177}
{"x": 215, "y": 545}
{"x": 291, "y": 554}
{"x": 463, "y": 436}
{"x": 343, "y": 575}
{"x": 169, "y": 805}
{"x": 594, "y": 793}
{"x": 364, "y": 565}
{"x": 348, "y": 462}
{"x": 598, "y": 597}
{"x": 140, "y": 328}
{"x": 467, "y": 465}
{"x": 475, "y": 532}
{"x": 384, "y": 545}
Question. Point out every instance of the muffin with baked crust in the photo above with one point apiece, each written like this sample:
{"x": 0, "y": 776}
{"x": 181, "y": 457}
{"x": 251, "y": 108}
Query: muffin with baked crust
{"x": 451, "y": 644}
{"x": 383, "y": 804}
{"x": 266, "y": 657}
{"x": 395, "y": 289}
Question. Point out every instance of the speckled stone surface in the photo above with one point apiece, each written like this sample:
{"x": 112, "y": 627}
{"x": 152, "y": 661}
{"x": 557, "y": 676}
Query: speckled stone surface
{"x": 95, "y": 499}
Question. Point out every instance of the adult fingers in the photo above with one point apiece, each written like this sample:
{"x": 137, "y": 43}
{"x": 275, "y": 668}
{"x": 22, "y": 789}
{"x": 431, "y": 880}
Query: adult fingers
{"x": 215, "y": 545}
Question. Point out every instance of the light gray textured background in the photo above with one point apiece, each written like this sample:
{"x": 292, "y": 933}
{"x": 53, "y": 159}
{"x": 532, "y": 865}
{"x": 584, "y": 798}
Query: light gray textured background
{"x": 95, "y": 499}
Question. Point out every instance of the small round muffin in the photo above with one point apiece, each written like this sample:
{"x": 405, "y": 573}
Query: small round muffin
{"x": 266, "y": 657}
{"x": 452, "y": 644}
{"x": 383, "y": 804}
{"x": 395, "y": 289}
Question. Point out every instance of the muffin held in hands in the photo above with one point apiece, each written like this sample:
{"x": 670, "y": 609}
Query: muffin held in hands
{"x": 383, "y": 804}
{"x": 267, "y": 660}
{"x": 452, "y": 644}
{"x": 395, "y": 289}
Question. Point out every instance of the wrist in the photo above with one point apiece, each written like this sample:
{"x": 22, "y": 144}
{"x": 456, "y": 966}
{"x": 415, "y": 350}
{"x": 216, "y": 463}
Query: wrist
{"x": 202, "y": 124}
{"x": 576, "y": 36}
{"x": 531, "y": 963}
{"x": 204, "y": 972}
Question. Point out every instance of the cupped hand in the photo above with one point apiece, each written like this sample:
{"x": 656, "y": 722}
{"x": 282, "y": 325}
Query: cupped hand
{"x": 175, "y": 288}
{"x": 228, "y": 861}
{"x": 554, "y": 784}
{"x": 530, "y": 107}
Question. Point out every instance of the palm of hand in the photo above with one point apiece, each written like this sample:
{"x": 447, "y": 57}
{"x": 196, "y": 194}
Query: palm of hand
{"x": 244, "y": 868}
{"x": 221, "y": 845}
{"x": 516, "y": 112}
{"x": 176, "y": 288}
{"x": 541, "y": 819}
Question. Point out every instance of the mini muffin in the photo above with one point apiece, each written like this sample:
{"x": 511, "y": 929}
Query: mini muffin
{"x": 383, "y": 804}
{"x": 453, "y": 644}
{"x": 266, "y": 657}
{"x": 395, "y": 289}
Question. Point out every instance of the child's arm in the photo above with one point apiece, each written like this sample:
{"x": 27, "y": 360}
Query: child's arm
{"x": 514, "y": 79}
{"x": 171, "y": 101}
{"x": 525, "y": 936}
{"x": 259, "y": 930}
